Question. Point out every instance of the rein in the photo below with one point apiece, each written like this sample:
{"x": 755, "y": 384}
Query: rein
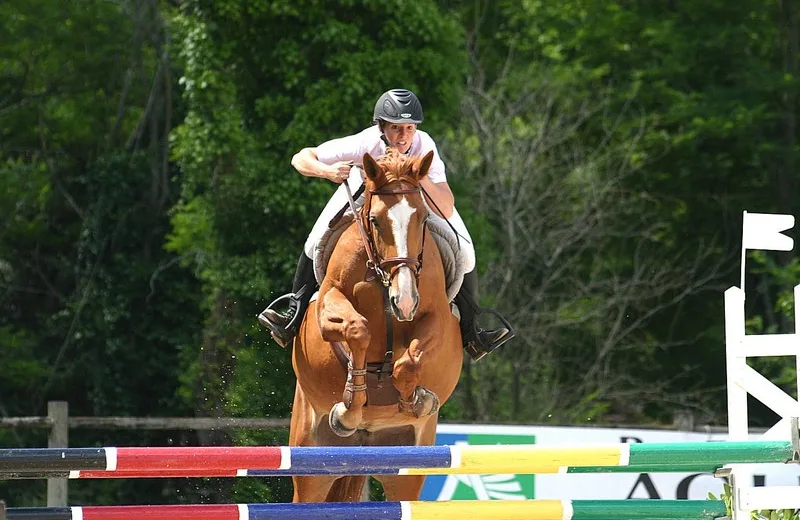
{"x": 381, "y": 266}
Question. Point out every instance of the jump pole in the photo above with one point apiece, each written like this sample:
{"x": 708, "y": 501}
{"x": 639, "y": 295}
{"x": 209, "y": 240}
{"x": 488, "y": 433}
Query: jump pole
{"x": 461, "y": 509}
{"x": 400, "y": 460}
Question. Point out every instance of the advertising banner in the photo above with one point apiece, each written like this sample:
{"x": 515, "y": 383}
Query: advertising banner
{"x": 584, "y": 486}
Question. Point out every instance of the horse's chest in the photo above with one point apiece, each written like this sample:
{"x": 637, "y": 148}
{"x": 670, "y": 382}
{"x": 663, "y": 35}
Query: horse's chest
{"x": 368, "y": 300}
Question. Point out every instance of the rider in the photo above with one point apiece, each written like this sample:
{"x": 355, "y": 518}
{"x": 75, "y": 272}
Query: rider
{"x": 397, "y": 114}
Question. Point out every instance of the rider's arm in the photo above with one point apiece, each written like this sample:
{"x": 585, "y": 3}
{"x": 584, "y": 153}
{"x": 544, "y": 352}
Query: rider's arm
{"x": 306, "y": 163}
{"x": 435, "y": 183}
{"x": 441, "y": 195}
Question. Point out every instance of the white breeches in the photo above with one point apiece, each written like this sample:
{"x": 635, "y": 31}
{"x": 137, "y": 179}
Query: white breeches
{"x": 339, "y": 200}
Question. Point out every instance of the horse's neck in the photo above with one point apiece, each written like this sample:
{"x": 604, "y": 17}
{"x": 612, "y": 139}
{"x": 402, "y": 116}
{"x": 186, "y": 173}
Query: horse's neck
{"x": 348, "y": 261}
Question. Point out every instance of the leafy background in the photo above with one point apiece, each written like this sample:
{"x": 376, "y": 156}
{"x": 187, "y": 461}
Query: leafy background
{"x": 600, "y": 152}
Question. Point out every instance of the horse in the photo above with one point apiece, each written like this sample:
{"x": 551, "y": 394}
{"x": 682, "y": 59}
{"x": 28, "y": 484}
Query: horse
{"x": 379, "y": 350}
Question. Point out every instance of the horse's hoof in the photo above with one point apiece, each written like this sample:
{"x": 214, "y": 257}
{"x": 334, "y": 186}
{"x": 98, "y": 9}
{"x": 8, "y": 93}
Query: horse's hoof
{"x": 423, "y": 402}
{"x": 336, "y": 426}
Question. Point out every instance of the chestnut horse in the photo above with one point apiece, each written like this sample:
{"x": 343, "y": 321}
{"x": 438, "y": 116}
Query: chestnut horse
{"x": 385, "y": 274}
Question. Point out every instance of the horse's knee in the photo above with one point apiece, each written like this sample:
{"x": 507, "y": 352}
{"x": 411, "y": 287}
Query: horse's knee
{"x": 409, "y": 366}
{"x": 356, "y": 331}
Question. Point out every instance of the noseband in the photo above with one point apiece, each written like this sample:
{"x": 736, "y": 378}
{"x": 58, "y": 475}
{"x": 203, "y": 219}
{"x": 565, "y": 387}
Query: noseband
{"x": 387, "y": 268}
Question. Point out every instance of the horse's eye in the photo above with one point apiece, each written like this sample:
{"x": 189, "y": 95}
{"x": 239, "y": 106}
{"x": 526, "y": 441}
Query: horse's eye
{"x": 373, "y": 219}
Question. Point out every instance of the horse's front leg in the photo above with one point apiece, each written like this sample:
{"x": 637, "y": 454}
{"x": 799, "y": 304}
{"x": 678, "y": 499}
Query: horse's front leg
{"x": 414, "y": 399}
{"x": 339, "y": 321}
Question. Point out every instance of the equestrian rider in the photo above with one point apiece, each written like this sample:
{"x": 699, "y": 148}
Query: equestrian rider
{"x": 397, "y": 114}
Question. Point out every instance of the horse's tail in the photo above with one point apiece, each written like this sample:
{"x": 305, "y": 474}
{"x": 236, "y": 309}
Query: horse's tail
{"x": 348, "y": 489}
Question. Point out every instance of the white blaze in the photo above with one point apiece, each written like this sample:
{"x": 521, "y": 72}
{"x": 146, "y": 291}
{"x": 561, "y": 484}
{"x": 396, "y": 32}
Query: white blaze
{"x": 400, "y": 216}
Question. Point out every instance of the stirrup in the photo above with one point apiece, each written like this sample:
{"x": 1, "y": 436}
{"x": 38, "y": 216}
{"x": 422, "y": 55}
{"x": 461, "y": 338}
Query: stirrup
{"x": 476, "y": 348}
{"x": 282, "y": 335}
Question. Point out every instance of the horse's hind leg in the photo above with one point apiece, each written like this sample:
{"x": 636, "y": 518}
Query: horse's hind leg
{"x": 348, "y": 489}
{"x": 405, "y": 487}
{"x": 409, "y": 487}
{"x": 339, "y": 321}
{"x": 312, "y": 489}
{"x": 301, "y": 433}
{"x": 301, "y": 427}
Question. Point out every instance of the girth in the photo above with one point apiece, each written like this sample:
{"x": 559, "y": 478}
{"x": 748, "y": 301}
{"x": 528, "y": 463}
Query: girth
{"x": 379, "y": 393}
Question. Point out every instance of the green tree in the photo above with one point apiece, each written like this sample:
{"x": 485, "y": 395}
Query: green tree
{"x": 94, "y": 311}
{"x": 701, "y": 95}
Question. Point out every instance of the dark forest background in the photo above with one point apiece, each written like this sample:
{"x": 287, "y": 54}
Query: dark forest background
{"x": 601, "y": 153}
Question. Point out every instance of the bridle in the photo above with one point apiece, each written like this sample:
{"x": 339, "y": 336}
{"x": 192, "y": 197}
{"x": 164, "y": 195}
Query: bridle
{"x": 387, "y": 268}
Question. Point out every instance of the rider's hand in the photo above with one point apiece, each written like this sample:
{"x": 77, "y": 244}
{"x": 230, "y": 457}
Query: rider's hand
{"x": 338, "y": 172}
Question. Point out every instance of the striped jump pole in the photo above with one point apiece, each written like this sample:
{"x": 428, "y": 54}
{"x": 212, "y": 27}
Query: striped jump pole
{"x": 360, "y": 470}
{"x": 462, "y": 510}
{"x": 387, "y": 460}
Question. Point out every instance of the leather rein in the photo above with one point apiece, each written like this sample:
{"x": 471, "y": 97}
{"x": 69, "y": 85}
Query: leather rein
{"x": 385, "y": 269}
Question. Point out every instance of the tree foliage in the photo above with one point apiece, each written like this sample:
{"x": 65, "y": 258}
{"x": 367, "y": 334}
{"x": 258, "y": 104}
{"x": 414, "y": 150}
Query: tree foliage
{"x": 701, "y": 95}
{"x": 94, "y": 310}
{"x": 600, "y": 152}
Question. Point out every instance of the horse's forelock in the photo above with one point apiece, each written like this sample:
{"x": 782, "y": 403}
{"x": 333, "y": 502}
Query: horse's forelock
{"x": 394, "y": 167}
{"x": 397, "y": 166}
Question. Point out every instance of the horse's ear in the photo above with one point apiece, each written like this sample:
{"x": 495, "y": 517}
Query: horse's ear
{"x": 424, "y": 165}
{"x": 371, "y": 168}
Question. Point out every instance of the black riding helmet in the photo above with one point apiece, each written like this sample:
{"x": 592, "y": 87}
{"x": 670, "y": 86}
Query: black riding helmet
{"x": 398, "y": 106}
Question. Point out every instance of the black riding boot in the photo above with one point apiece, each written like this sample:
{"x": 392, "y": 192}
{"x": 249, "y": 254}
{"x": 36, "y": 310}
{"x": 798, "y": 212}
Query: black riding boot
{"x": 284, "y": 323}
{"x": 477, "y": 342}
